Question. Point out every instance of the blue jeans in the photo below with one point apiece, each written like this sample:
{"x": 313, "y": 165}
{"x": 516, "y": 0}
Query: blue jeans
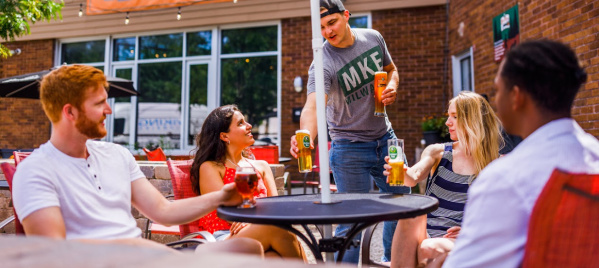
{"x": 355, "y": 165}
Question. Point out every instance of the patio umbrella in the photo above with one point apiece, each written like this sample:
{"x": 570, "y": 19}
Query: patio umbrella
{"x": 320, "y": 105}
{"x": 321, "y": 113}
{"x": 27, "y": 86}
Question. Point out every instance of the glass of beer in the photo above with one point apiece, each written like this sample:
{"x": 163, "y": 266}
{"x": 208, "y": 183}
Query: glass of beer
{"x": 246, "y": 182}
{"x": 380, "y": 83}
{"x": 396, "y": 161}
{"x": 304, "y": 156}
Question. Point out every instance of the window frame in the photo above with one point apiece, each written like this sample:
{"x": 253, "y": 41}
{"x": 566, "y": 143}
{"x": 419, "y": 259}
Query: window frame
{"x": 457, "y": 70}
{"x": 214, "y": 65}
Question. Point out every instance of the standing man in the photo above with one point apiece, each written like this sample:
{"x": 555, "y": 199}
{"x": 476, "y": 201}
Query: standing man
{"x": 359, "y": 139}
{"x": 74, "y": 187}
{"x": 536, "y": 86}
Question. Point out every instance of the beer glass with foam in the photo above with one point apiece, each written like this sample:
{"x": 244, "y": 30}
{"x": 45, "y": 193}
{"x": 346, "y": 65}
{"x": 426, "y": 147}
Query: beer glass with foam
{"x": 304, "y": 156}
{"x": 246, "y": 181}
{"x": 380, "y": 83}
{"x": 396, "y": 161}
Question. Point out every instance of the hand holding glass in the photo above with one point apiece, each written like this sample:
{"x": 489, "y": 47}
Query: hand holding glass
{"x": 396, "y": 161}
{"x": 380, "y": 84}
{"x": 304, "y": 156}
{"x": 246, "y": 181}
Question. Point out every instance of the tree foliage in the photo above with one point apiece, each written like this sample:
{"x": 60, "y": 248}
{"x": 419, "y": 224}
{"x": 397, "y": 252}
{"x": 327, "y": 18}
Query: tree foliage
{"x": 15, "y": 16}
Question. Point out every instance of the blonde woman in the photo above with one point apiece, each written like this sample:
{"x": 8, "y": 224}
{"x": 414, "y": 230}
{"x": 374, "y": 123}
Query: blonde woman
{"x": 476, "y": 134}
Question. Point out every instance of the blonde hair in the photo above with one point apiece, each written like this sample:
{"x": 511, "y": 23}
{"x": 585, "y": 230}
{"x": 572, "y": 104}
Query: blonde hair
{"x": 478, "y": 129}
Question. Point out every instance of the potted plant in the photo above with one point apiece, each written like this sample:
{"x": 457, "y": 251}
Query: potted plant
{"x": 434, "y": 129}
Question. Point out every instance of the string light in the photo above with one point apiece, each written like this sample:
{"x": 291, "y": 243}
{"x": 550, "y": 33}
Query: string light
{"x": 179, "y": 14}
{"x": 80, "y": 9}
{"x": 234, "y": 1}
{"x": 127, "y": 19}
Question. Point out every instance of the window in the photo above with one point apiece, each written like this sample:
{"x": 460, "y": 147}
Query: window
{"x": 199, "y": 43}
{"x": 83, "y": 52}
{"x": 249, "y": 40}
{"x": 463, "y": 72}
{"x": 250, "y": 81}
{"x": 181, "y": 77}
{"x": 124, "y": 49}
{"x": 160, "y": 46}
{"x": 359, "y": 21}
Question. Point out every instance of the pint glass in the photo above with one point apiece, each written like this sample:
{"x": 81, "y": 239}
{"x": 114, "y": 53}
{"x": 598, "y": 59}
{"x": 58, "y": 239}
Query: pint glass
{"x": 304, "y": 156}
{"x": 396, "y": 161}
{"x": 380, "y": 83}
{"x": 246, "y": 181}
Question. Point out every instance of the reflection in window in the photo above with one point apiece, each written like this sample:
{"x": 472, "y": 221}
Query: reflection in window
{"x": 251, "y": 83}
{"x": 358, "y": 22}
{"x": 83, "y": 52}
{"x": 121, "y": 112}
{"x": 465, "y": 71}
{"x": 199, "y": 43}
{"x": 249, "y": 40}
{"x": 159, "y": 107}
{"x": 161, "y": 46}
{"x": 198, "y": 99}
{"x": 124, "y": 49}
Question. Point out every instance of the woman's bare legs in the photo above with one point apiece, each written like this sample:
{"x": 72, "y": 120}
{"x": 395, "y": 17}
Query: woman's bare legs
{"x": 237, "y": 245}
{"x": 274, "y": 239}
{"x": 409, "y": 233}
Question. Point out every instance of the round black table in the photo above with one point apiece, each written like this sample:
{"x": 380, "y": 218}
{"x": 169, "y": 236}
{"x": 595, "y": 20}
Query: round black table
{"x": 359, "y": 209}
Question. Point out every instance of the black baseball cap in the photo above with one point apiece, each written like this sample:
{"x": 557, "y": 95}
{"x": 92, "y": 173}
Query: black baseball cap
{"x": 332, "y": 6}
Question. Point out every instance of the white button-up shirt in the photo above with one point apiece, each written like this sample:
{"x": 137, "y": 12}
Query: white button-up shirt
{"x": 501, "y": 199}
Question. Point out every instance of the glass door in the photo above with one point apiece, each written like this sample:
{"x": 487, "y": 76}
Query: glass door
{"x": 197, "y": 105}
{"x": 120, "y": 126}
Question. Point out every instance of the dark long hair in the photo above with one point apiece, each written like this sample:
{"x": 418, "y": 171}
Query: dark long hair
{"x": 209, "y": 146}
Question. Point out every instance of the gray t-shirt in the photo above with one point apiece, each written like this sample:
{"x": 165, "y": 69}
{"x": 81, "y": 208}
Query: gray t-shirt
{"x": 349, "y": 84}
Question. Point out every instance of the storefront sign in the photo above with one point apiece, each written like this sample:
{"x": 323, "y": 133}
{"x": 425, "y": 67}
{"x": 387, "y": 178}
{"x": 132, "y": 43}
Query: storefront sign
{"x": 96, "y": 7}
{"x": 506, "y": 32}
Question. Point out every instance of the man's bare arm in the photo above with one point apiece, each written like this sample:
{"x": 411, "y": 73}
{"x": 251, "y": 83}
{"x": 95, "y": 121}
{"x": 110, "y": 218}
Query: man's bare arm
{"x": 46, "y": 222}
{"x": 390, "y": 93}
{"x": 308, "y": 121}
{"x": 148, "y": 200}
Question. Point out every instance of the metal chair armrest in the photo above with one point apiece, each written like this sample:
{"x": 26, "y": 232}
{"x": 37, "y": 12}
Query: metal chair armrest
{"x": 207, "y": 236}
{"x": 7, "y": 221}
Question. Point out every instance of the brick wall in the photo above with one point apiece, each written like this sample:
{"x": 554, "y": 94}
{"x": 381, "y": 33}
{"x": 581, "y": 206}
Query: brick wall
{"x": 571, "y": 21}
{"x": 415, "y": 38}
{"x": 24, "y": 124}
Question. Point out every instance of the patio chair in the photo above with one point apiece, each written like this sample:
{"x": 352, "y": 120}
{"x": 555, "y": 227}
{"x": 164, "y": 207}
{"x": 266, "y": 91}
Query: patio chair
{"x": 268, "y": 153}
{"x": 155, "y": 155}
{"x": 9, "y": 172}
{"x": 562, "y": 231}
{"x": 179, "y": 171}
{"x": 20, "y": 156}
{"x": 365, "y": 248}
{"x": 314, "y": 181}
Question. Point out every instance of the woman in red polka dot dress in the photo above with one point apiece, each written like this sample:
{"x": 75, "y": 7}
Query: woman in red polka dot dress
{"x": 224, "y": 136}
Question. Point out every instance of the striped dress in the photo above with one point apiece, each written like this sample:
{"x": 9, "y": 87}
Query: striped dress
{"x": 451, "y": 190}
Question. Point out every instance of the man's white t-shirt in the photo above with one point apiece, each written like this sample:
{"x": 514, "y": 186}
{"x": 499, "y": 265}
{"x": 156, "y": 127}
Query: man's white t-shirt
{"x": 93, "y": 194}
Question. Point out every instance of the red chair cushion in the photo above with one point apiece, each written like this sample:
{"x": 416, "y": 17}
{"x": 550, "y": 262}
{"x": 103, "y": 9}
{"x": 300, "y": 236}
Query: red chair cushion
{"x": 563, "y": 226}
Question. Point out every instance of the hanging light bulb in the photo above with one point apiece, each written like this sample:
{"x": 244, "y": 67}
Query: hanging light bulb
{"x": 127, "y": 19}
{"x": 80, "y": 10}
{"x": 234, "y": 1}
{"x": 179, "y": 14}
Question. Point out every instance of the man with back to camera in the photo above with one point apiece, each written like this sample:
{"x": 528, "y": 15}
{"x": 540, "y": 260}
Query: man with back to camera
{"x": 74, "y": 187}
{"x": 536, "y": 86}
{"x": 359, "y": 139}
